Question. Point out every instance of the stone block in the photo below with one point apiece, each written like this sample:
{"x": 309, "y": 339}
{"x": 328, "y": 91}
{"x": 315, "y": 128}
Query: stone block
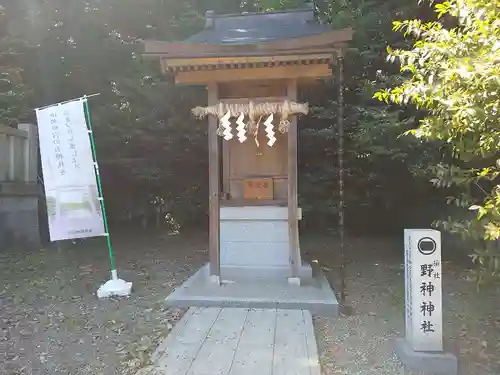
{"x": 254, "y": 237}
{"x": 428, "y": 363}
{"x": 19, "y": 221}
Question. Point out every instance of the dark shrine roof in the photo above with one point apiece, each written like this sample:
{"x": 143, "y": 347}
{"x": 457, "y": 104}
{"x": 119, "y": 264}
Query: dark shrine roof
{"x": 253, "y": 28}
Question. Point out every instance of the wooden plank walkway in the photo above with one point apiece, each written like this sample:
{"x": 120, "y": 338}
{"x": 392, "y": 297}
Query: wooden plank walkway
{"x": 238, "y": 341}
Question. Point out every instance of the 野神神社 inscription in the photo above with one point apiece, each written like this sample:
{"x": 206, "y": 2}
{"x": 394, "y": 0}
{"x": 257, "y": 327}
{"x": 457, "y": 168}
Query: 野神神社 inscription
{"x": 423, "y": 290}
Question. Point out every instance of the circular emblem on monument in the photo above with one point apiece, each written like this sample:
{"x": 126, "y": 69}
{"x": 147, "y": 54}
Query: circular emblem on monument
{"x": 426, "y": 246}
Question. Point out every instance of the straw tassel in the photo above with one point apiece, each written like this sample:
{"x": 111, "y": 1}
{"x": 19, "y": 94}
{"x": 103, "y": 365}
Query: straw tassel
{"x": 255, "y": 112}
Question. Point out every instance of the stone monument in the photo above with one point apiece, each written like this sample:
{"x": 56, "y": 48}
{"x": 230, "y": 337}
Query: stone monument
{"x": 421, "y": 350}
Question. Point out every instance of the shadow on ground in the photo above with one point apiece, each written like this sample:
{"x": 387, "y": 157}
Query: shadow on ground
{"x": 52, "y": 323}
{"x": 363, "y": 343}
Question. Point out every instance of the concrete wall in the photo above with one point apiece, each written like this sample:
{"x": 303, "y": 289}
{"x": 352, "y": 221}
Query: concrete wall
{"x": 19, "y": 221}
{"x": 254, "y": 236}
{"x": 19, "y": 194}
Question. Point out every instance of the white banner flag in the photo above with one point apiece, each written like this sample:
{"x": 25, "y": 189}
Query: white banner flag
{"x": 73, "y": 205}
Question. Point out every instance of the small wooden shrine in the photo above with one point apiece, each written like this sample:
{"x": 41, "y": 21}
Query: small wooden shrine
{"x": 253, "y": 66}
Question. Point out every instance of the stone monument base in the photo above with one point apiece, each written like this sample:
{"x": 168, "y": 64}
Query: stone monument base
{"x": 428, "y": 363}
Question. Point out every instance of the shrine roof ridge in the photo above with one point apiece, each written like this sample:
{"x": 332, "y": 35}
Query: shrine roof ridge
{"x": 212, "y": 13}
{"x": 283, "y": 41}
{"x": 253, "y": 28}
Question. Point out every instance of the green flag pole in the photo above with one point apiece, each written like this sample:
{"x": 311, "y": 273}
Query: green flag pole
{"x": 99, "y": 187}
{"x": 115, "y": 286}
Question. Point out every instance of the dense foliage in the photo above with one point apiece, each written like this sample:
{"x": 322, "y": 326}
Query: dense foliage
{"x": 14, "y": 94}
{"x": 454, "y": 74}
{"x": 153, "y": 154}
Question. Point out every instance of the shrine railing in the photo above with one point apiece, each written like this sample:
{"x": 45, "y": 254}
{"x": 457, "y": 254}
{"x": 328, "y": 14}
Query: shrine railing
{"x": 19, "y": 193}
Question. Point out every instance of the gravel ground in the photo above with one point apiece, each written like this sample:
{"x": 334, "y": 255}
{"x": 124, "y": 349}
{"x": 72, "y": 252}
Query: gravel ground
{"x": 52, "y": 323}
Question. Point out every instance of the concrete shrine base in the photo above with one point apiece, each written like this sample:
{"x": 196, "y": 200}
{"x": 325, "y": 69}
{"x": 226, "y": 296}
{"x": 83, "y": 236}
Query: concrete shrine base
{"x": 428, "y": 363}
{"x": 258, "y": 288}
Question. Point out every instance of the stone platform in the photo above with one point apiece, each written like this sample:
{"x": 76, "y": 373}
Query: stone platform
{"x": 248, "y": 288}
{"x": 232, "y": 341}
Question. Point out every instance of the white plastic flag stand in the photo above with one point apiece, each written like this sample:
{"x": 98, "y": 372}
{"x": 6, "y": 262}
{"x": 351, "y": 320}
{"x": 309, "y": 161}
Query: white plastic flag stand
{"x": 114, "y": 287}
{"x": 421, "y": 350}
{"x": 75, "y": 203}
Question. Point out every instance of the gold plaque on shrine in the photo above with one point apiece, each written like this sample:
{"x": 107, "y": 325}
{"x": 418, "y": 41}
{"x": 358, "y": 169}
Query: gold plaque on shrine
{"x": 258, "y": 188}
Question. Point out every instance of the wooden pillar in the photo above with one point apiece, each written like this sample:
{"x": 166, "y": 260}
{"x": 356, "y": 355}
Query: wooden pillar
{"x": 214, "y": 188}
{"x": 340, "y": 136}
{"x": 225, "y": 168}
{"x": 30, "y": 153}
{"x": 12, "y": 157}
{"x": 293, "y": 227}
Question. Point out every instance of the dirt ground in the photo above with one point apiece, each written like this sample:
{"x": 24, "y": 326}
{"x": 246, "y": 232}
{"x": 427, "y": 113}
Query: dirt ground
{"x": 52, "y": 323}
{"x": 362, "y": 344}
